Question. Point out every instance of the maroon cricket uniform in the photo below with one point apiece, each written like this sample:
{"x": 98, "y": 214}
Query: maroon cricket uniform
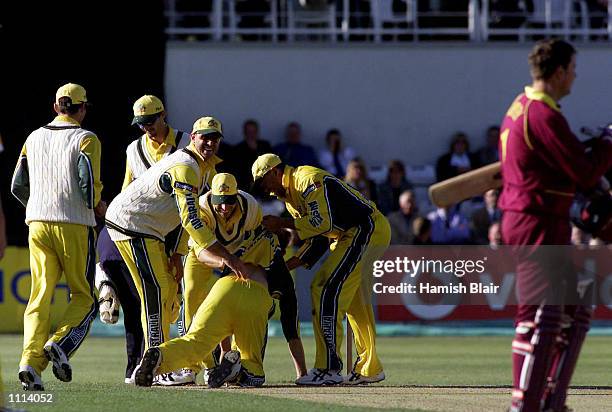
{"x": 543, "y": 164}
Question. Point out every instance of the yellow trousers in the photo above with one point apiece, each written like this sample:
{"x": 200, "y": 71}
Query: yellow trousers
{"x": 339, "y": 288}
{"x": 57, "y": 248}
{"x": 233, "y": 307}
{"x": 148, "y": 264}
{"x": 198, "y": 280}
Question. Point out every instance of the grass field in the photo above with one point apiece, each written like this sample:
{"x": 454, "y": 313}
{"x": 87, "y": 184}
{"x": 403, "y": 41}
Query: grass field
{"x": 423, "y": 374}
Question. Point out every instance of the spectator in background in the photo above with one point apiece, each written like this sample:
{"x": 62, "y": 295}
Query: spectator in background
{"x": 489, "y": 152}
{"x": 335, "y": 158}
{"x": 389, "y": 191}
{"x": 401, "y": 220}
{"x": 421, "y": 229}
{"x": 494, "y": 234}
{"x": 357, "y": 177}
{"x": 293, "y": 152}
{"x": 246, "y": 152}
{"x": 449, "y": 227}
{"x": 458, "y": 159}
{"x": 483, "y": 217}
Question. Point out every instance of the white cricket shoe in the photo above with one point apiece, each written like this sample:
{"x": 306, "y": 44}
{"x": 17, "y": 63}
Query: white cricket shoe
{"x": 30, "y": 380}
{"x": 61, "y": 367}
{"x": 178, "y": 378}
{"x": 145, "y": 371}
{"x": 317, "y": 377}
{"x": 206, "y": 375}
{"x": 188, "y": 376}
{"x": 226, "y": 371}
{"x": 358, "y": 379}
{"x": 130, "y": 380}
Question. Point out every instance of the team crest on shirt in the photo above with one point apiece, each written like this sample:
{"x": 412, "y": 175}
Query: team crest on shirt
{"x": 311, "y": 188}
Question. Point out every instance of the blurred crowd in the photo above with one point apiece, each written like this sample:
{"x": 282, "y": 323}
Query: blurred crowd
{"x": 394, "y": 195}
{"x": 414, "y": 220}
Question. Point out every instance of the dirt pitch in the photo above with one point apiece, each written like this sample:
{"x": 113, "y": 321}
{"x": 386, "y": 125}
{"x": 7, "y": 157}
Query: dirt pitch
{"x": 426, "y": 398}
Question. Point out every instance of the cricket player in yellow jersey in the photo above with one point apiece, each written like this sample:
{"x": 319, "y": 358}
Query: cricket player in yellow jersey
{"x": 235, "y": 218}
{"x": 149, "y": 208}
{"x": 326, "y": 209}
{"x": 113, "y": 279}
{"x": 57, "y": 178}
{"x": 158, "y": 141}
{"x": 234, "y": 306}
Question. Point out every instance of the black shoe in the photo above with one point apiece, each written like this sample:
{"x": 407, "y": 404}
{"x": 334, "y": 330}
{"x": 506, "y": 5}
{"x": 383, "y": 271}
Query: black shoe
{"x": 146, "y": 371}
{"x": 227, "y": 370}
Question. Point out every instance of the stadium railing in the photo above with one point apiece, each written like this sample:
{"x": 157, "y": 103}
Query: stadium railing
{"x": 384, "y": 21}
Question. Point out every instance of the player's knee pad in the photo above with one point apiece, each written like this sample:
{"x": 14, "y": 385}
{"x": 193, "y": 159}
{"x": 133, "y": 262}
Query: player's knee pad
{"x": 521, "y": 344}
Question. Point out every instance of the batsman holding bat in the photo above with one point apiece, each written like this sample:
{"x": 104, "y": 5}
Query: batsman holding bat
{"x": 330, "y": 214}
{"x": 543, "y": 164}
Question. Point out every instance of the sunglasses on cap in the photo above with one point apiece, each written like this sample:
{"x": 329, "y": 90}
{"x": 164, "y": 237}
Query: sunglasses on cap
{"x": 215, "y": 137}
{"x": 149, "y": 123}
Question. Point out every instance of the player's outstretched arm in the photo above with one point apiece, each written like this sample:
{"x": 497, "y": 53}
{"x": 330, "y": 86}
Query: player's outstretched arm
{"x": 217, "y": 256}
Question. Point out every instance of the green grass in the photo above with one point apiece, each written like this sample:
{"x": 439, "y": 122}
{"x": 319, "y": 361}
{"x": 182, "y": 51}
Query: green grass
{"x": 455, "y": 361}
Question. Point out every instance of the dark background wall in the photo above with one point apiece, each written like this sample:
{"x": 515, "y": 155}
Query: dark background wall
{"x": 115, "y": 50}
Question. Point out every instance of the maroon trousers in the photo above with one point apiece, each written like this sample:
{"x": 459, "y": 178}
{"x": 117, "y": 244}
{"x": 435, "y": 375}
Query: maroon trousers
{"x": 549, "y": 330}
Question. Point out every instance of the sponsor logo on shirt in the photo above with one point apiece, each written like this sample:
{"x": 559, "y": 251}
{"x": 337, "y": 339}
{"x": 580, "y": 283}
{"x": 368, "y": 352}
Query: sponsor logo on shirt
{"x": 192, "y": 212}
{"x": 315, "y": 217}
{"x": 311, "y": 188}
{"x": 184, "y": 186}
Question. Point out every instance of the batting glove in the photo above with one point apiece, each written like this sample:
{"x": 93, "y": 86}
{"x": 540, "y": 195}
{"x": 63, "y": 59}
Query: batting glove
{"x": 107, "y": 297}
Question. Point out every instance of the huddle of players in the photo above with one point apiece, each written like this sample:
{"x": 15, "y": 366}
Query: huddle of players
{"x": 173, "y": 205}
{"x": 543, "y": 164}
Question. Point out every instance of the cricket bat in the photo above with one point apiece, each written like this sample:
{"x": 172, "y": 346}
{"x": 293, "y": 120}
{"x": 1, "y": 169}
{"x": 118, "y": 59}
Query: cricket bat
{"x": 466, "y": 185}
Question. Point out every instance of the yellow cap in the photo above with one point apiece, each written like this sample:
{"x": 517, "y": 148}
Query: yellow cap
{"x": 224, "y": 189}
{"x": 146, "y": 109}
{"x": 206, "y": 125}
{"x": 264, "y": 164}
{"x": 75, "y": 92}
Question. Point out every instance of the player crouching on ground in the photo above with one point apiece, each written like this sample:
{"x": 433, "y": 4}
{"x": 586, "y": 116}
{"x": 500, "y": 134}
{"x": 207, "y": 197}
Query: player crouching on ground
{"x": 235, "y": 306}
{"x": 235, "y": 217}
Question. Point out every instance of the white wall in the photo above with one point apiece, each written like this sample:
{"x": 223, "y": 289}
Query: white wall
{"x": 389, "y": 101}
